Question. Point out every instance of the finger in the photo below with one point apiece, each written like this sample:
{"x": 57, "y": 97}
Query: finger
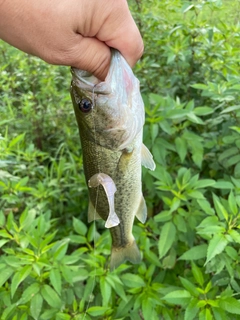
{"x": 91, "y": 53}
{"x": 124, "y": 34}
{"x": 129, "y": 43}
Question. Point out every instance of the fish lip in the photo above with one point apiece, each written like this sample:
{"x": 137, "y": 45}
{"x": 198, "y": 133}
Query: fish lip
{"x": 82, "y": 79}
{"x": 79, "y": 74}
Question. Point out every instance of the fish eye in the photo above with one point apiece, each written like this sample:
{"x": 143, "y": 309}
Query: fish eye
{"x": 85, "y": 105}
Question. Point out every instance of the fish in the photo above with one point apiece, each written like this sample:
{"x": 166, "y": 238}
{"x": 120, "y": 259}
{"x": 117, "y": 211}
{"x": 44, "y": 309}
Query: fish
{"x": 110, "y": 117}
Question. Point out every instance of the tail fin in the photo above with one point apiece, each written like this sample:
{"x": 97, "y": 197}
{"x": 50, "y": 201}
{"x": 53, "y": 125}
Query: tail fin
{"x": 130, "y": 253}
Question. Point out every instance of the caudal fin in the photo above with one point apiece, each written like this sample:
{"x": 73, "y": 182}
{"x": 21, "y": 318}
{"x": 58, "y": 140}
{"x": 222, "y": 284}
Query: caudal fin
{"x": 130, "y": 253}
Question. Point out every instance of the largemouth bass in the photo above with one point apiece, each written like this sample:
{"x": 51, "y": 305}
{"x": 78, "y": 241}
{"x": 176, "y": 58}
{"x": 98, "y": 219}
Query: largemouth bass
{"x": 110, "y": 117}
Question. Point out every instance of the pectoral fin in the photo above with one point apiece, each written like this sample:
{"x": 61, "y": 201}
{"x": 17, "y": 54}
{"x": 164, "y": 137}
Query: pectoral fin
{"x": 92, "y": 212}
{"x": 147, "y": 158}
{"x": 141, "y": 213}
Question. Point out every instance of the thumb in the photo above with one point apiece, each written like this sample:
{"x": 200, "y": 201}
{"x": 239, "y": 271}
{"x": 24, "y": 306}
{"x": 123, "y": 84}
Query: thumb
{"x": 91, "y": 54}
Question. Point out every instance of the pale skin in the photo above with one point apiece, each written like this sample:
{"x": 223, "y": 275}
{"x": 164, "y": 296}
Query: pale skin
{"x": 77, "y": 33}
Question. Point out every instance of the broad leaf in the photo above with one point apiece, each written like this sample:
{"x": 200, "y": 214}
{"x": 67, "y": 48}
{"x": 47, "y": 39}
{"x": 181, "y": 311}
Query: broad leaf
{"x": 167, "y": 238}
{"x": 216, "y": 246}
{"x": 195, "y": 253}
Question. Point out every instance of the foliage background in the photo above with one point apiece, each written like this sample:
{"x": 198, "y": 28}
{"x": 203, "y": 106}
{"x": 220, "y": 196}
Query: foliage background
{"x": 53, "y": 264}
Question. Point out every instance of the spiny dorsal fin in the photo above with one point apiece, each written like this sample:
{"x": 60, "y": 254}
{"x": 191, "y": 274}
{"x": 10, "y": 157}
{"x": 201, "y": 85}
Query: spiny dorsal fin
{"x": 147, "y": 158}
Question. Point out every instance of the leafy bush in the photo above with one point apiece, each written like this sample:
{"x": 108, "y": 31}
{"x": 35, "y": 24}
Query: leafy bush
{"x": 53, "y": 264}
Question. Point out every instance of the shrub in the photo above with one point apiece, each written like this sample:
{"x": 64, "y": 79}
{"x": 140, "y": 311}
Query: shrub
{"x": 53, "y": 264}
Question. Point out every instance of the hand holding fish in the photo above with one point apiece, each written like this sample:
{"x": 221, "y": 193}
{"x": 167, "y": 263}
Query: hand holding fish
{"x": 76, "y": 33}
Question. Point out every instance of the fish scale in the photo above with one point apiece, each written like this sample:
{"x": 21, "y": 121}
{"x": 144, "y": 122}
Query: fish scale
{"x": 111, "y": 139}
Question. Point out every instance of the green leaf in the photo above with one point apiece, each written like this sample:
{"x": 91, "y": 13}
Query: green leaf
{"x": 208, "y": 314}
{"x": 8, "y": 311}
{"x": 191, "y": 310}
{"x": 169, "y": 260}
{"x": 223, "y": 185}
{"x": 189, "y": 286}
{"x": 29, "y": 293}
{"x": 2, "y": 219}
{"x": 181, "y": 147}
{"x": 195, "y": 253}
{"x": 3, "y": 242}
{"x": 106, "y": 291}
{"x": 24, "y": 316}
{"x": 203, "y": 111}
{"x": 51, "y": 297}
{"x": 178, "y": 297}
{"x": 117, "y": 285}
{"x": 216, "y": 246}
{"x": 191, "y": 6}
{"x": 5, "y": 234}
{"x": 235, "y": 235}
{"x": 221, "y": 211}
{"x": 231, "y": 109}
{"x": 16, "y": 140}
{"x": 228, "y": 153}
{"x": 77, "y": 239}
{"x": 79, "y": 227}
{"x": 219, "y": 313}
{"x": 230, "y": 305}
{"x": 154, "y": 129}
{"x": 27, "y": 218}
{"x": 61, "y": 249}
{"x": 232, "y": 161}
{"x": 232, "y": 203}
{"x": 97, "y": 311}
{"x": 199, "y": 86}
{"x": 167, "y": 238}
{"x": 67, "y": 273}
{"x": 180, "y": 223}
{"x": 132, "y": 280}
{"x": 200, "y": 184}
{"x": 176, "y": 114}
{"x": 232, "y": 253}
{"x": 124, "y": 307}
{"x": 197, "y": 273}
{"x": 19, "y": 277}
{"x": 205, "y": 206}
{"x": 64, "y": 316}
{"x": 147, "y": 308}
{"x": 163, "y": 216}
{"x": 36, "y": 306}
{"x": 56, "y": 280}
{"x": 193, "y": 118}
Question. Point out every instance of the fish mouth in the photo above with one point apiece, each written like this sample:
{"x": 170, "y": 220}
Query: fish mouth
{"x": 84, "y": 80}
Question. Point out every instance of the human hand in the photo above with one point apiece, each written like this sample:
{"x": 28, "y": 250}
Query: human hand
{"x": 76, "y": 33}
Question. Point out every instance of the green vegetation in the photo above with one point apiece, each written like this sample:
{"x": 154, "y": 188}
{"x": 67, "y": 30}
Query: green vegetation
{"x": 53, "y": 264}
